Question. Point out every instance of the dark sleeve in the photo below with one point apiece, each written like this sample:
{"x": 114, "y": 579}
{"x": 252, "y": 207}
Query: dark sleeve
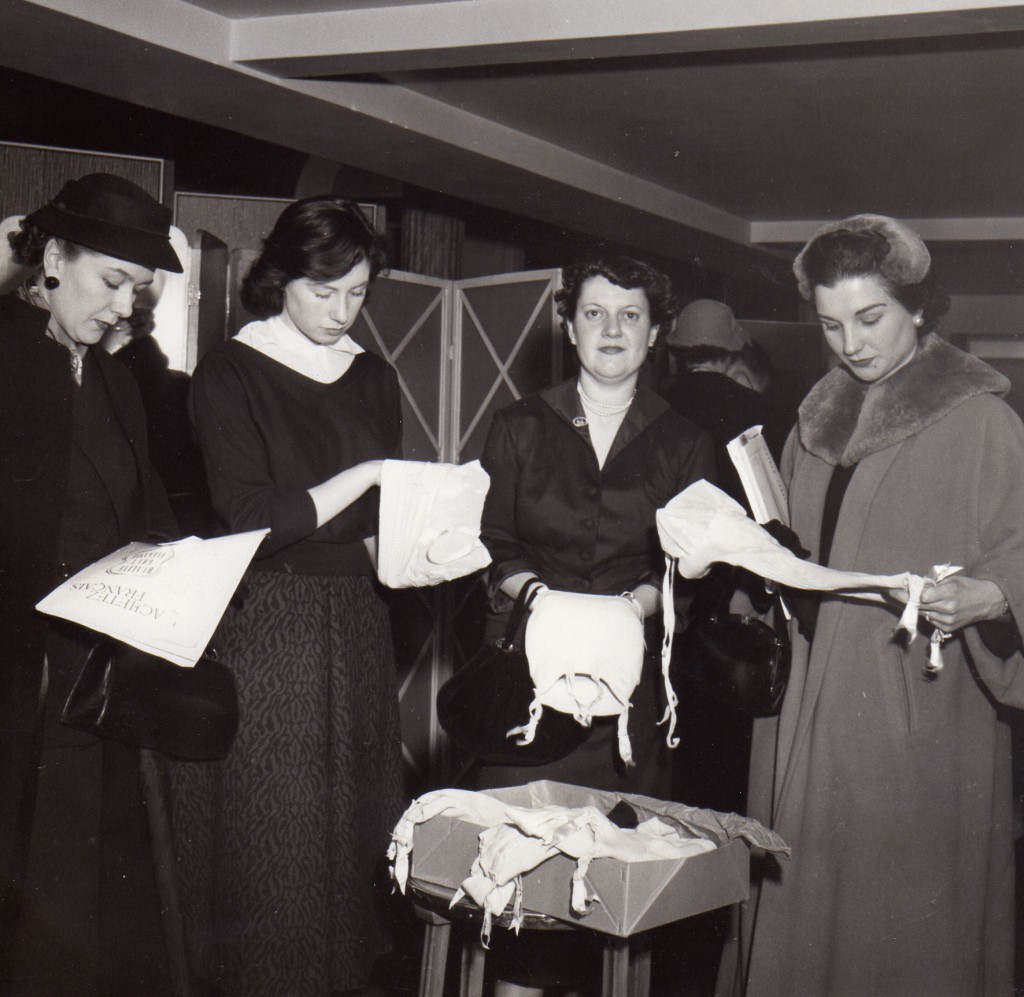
{"x": 695, "y": 463}
{"x": 237, "y": 461}
{"x": 700, "y": 463}
{"x": 161, "y": 525}
{"x": 501, "y": 461}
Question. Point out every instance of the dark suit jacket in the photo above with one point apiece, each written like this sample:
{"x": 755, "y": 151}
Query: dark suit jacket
{"x": 551, "y": 510}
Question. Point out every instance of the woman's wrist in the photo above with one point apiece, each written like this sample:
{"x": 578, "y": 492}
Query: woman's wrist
{"x": 514, "y": 584}
{"x": 999, "y": 605}
{"x": 637, "y": 605}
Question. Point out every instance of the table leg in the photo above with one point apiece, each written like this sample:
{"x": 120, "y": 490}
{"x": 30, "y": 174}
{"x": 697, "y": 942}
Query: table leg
{"x": 435, "y": 956}
{"x": 615, "y": 982}
{"x": 627, "y": 967}
{"x": 640, "y": 966}
{"x": 474, "y": 956}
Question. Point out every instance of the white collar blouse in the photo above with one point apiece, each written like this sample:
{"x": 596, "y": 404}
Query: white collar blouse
{"x": 274, "y": 338}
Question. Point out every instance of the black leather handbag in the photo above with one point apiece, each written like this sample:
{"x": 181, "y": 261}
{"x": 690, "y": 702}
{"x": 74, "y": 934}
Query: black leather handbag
{"x": 143, "y": 700}
{"x": 492, "y": 693}
{"x": 740, "y": 661}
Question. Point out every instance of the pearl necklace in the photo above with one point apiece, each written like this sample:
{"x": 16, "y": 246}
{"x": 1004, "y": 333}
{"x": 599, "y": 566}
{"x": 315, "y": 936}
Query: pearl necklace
{"x": 601, "y": 408}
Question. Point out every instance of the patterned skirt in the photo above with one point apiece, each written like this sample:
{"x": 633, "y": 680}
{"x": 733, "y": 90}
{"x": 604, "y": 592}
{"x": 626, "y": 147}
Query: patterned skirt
{"x": 281, "y": 845}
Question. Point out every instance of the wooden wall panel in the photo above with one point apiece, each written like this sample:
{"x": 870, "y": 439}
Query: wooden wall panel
{"x": 31, "y": 174}
{"x": 240, "y": 222}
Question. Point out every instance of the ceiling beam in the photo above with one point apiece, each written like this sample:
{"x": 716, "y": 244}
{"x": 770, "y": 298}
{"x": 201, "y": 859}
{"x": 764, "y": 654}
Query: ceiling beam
{"x": 171, "y": 56}
{"x": 781, "y": 233}
{"x": 463, "y": 33}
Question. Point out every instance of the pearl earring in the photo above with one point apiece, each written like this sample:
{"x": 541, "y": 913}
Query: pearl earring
{"x": 51, "y": 283}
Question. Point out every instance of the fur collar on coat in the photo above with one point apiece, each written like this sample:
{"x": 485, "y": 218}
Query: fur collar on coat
{"x": 842, "y": 420}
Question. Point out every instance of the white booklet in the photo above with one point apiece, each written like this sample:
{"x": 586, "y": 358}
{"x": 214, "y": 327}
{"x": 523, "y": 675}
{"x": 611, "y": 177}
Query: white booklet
{"x": 166, "y": 599}
{"x": 759, "y": 476}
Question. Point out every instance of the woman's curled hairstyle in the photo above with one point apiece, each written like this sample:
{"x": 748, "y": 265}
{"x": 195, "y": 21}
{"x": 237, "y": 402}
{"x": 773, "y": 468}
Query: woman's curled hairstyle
{"x": 318, "y": 238}
{"x": 28, "y": 243}
{"x": 624, "y": 271}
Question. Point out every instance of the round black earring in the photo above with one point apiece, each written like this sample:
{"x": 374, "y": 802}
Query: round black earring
{"x": 51, "y": 283}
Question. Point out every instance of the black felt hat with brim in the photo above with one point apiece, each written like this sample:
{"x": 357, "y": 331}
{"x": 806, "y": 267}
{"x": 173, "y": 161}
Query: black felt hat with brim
{"x": 114, "y": 216}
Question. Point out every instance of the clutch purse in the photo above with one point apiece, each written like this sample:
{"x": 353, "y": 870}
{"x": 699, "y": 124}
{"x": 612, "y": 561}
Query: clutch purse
{"x": 140, "y": 699}
{"x": 740, "y": 661}
{"x": 492, "y": 693}
{"x": 737, "y": 660}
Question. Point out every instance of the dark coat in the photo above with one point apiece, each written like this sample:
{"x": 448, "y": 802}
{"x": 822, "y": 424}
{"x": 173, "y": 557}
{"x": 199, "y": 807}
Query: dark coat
{"x": 36, "y": 388}
{"x": 892, "y": 787}
{"x": 724, "y": 408}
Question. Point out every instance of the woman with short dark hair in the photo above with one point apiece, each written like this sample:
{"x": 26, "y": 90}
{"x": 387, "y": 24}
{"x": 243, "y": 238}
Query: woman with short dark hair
{"x": 280, "y": 841}
{"x": 888, "y": 778}
{"x": 577, "y": 473}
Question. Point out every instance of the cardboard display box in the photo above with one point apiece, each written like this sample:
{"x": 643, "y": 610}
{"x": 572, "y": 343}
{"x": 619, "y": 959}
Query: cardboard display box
{"x": 629, "y": 896}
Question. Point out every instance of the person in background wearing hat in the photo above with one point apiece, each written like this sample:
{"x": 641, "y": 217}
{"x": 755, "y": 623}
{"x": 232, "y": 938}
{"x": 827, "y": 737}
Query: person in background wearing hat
{"x": 720, "y": 379}
{"x": 577, "y": 474}
{"x": 280, "y": 842}
{"x": 78, "y": 906}
{"x": 890, "y": 780}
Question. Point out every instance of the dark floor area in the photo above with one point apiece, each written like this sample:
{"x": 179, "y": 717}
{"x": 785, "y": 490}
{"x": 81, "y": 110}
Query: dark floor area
{"x": 685, "y": 958}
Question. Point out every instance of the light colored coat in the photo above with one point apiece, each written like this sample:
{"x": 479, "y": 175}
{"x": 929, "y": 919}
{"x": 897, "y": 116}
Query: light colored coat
{"x": 893, "y": 788}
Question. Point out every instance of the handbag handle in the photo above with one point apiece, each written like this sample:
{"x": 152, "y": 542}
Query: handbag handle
{"x": 524, "y": 600}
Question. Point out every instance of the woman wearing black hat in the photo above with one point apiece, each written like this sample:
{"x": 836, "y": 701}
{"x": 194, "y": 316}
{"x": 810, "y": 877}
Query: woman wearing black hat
{"x": 78, "y": 911}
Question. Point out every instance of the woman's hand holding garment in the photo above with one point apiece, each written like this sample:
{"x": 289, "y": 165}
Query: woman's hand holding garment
{"x": 959, "y": 601}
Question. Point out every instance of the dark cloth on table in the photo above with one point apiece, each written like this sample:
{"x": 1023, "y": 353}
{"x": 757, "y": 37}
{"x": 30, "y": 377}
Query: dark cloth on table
{"x": 75, "y": 483}
{"x": 553, "y": 511}
{"x": 278, "y": 844}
